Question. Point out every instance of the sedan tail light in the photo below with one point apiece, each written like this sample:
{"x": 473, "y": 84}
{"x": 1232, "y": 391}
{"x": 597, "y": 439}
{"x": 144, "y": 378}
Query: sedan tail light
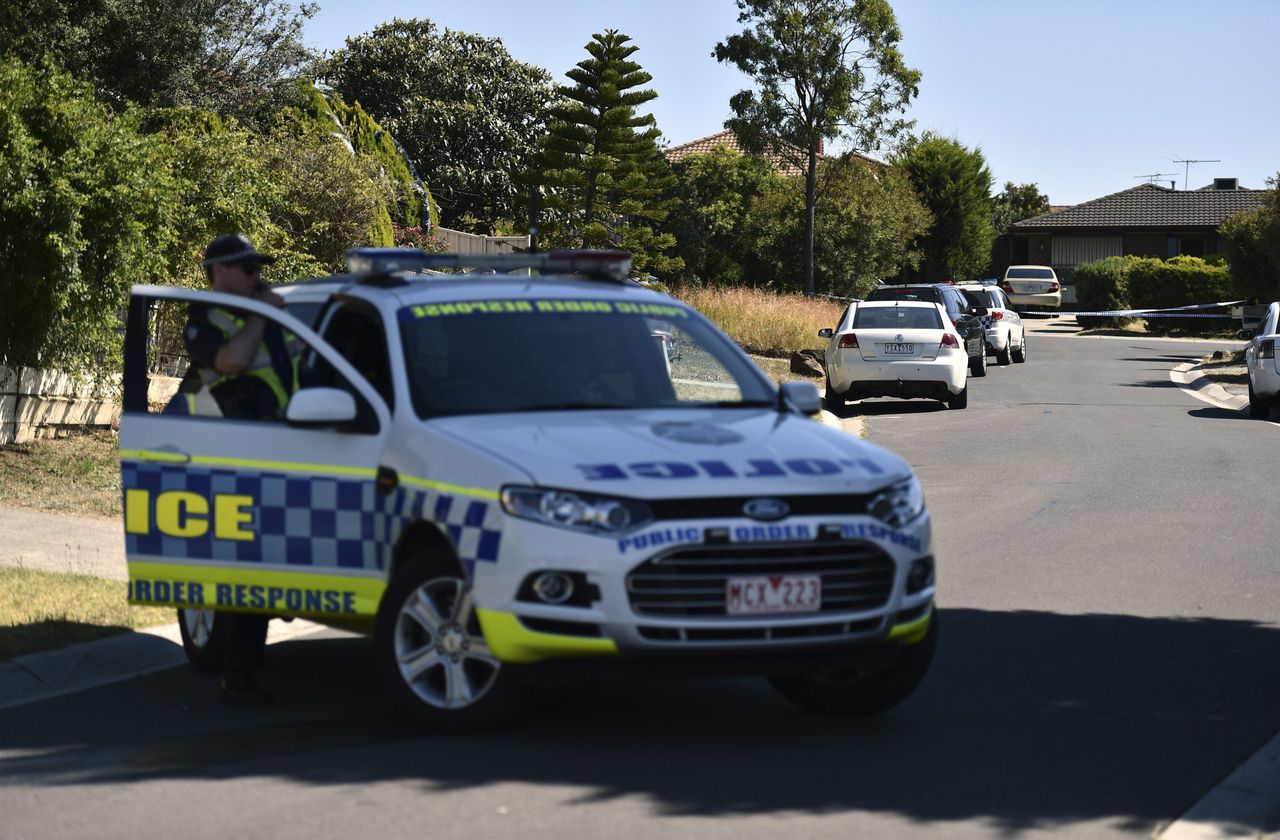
{"x": 848, "y": 340}
{"x": 997, "y": 316}
{"x": 949, "y": 340}
{"x": 1007, "y": 286}
{"x": 1267, "y": 348}
{"x": 1053, "y": 287}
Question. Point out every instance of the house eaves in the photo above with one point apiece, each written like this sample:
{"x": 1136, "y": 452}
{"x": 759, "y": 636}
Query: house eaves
{"x": 1148, "y": 206}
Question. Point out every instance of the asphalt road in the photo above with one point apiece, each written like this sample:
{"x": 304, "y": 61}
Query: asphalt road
{"x": 1110, "y": 616}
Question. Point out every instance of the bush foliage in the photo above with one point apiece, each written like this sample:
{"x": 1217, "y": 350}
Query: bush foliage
{"x": 1179, "y": 281}
{"x": 1104, "y": 286}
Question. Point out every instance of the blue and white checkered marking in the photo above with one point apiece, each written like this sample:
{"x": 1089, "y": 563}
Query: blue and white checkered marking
{"x": 323, "y": 522}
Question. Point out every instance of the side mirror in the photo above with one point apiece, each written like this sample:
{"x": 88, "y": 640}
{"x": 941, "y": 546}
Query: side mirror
{"x": 825, "y": 332}
{"x": 1246, "y": 334}
{"x": 802, "y": 396}
{"x": 320, "y": 407}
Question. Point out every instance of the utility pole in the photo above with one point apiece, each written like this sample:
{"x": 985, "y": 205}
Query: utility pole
{"x": 1186, "y": 168}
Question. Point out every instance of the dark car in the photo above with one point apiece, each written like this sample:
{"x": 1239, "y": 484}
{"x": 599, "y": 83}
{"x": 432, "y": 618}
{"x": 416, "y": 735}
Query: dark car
{"x": 966, "y": 318}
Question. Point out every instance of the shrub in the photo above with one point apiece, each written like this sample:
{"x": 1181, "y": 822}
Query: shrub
{"x": 1102, "y": 286}
{"x": 1180, "y": 281}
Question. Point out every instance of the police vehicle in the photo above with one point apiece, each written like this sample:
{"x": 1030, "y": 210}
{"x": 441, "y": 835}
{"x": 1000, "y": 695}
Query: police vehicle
{"x": 1006, "y": 334}
{"x": 509, "y": 477}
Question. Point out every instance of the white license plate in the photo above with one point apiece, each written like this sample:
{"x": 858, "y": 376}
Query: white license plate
{"x": 773, "y": 594}
{"x": 901, "y": 349}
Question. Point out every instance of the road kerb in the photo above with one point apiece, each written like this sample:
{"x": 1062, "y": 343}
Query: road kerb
{"x": 1202, "y": 388}
{"x": 1245, "y": 804}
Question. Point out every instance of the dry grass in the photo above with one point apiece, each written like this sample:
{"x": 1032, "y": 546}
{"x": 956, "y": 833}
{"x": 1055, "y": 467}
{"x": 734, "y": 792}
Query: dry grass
{"x": 78, "y": 475}
{"x": 45, "y": 610}
{"x": 1230, "y": 370}
{"x": 763, "y": 322}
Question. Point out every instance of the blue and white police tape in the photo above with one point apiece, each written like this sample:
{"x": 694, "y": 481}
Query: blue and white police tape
{"x": 1170, "y": 312}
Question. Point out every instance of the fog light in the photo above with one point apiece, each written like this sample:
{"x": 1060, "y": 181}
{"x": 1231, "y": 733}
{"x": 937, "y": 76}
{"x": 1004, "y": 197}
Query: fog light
{"x": 920, "y": 576}
{"x": 553, "y": 587}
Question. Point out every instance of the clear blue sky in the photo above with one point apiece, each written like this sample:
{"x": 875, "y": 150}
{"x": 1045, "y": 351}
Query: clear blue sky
{"x": 1077, "y": 97}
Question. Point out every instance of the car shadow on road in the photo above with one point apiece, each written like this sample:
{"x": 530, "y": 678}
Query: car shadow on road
{"x": 1214, "y": 413}
{"x": 1028, "y": 720}
{"x": 875, "y": 407}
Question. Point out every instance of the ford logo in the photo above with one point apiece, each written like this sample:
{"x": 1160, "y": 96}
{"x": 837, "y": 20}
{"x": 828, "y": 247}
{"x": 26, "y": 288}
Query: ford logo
{"x": 766, "y": 510}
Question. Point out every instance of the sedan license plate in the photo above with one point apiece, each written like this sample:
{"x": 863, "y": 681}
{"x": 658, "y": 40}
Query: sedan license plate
{"x": 773, "y": 594}
{"x": 899, "y": 348}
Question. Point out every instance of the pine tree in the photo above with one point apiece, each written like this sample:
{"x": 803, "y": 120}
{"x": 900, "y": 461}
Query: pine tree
{"x": 606, "y": 182}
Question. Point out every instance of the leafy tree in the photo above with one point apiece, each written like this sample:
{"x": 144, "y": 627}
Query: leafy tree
{"x": 955, "y": 184}
{"x": 466, "y": 112}
{"x": 85, "y": 202}
{"x": 825, "y": 69}
{"x": 1252, "y": 242}
{"x": 718, "y": 191}
{"x": 1015, "y": 203}
{"x": 607, "y": 183}
{"x": 231, "y": 56}
{"x": 865, "y": 232}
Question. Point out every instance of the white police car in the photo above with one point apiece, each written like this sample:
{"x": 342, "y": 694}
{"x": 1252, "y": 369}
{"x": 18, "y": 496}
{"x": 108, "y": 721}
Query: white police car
{"x": 1006, "y": 334}
{"x": 502, "y": 477}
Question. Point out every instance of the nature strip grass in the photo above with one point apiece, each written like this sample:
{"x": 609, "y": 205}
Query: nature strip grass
{"x": 46, "y": 610}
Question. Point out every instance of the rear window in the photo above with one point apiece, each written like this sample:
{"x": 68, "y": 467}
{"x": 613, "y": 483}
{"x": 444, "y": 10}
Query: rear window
{"x": 897, "y": 318}
{"x": 982, "y": 298}
{"x": 1030, "y": 274}
{"x": 925, "y": 293}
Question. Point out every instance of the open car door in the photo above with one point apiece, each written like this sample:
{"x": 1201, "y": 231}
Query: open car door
{"x": 277, "y": 517}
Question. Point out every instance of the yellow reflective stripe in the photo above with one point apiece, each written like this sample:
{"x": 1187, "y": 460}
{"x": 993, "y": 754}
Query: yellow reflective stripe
{"x": 912, "y": 631}
{"x": 255, "y": 590}
{"x": 478, "y": 492}
{"x": 511, "y": 641}
{"x": 283, "y": 466}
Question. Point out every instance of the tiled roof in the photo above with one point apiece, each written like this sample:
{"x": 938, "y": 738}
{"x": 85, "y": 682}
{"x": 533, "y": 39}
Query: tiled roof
{"x": 728, "y": 138}
{"x": 1149, "y": 206}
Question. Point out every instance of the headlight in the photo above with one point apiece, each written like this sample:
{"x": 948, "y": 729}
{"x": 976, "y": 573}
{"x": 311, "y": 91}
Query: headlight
{"x": 574, "y": 510}
{"x": 899, "y": 503}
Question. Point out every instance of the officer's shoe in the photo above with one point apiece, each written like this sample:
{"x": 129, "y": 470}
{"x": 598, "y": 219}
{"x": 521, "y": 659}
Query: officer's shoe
{"x": 238, "y": 689}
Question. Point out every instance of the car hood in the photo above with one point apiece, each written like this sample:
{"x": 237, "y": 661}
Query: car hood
{"x": 680, "y": 452}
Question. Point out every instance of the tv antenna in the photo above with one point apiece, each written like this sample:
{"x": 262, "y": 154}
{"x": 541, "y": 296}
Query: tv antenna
{"x": 1186, "y": 167}
{"x": 1156, "y": 176}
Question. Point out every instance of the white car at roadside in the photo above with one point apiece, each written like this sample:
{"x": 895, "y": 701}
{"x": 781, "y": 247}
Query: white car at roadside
{"x": 1260, "y": 359}
{"x": 899, "y": 349}
{"x": 1006, "y": 336}
{"x": 1033, "y": 285}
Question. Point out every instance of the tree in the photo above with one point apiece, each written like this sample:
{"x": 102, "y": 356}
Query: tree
{"x": 1013, "y": 204}
{"x": 231, "y": 56}
{"x": 865, "y": 233}
{"x": 606, "y": 182}
{"x": 467, "y": 113}
{"x": 85, "y": 202}
{"x": 955, "y": 184}
{"x": 1253, "y": 247}
{"x": 826, "y": 69}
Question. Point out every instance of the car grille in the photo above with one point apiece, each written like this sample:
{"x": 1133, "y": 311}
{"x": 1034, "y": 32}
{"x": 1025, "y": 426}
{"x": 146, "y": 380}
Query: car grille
{"x": 728, "y": 507}
{"x": 690, "y": 581}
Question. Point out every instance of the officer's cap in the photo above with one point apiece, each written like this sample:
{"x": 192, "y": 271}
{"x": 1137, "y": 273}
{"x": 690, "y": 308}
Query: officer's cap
{"x": 233, "y": 248}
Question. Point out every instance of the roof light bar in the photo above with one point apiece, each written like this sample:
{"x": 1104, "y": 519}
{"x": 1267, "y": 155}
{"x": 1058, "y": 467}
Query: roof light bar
{"x": 376, "y": 262}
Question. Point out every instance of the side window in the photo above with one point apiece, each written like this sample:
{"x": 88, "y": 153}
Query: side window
{"x": 357, "y": 334}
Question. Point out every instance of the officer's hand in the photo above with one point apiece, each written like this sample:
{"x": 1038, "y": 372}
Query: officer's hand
{"x": 265, "y": 295}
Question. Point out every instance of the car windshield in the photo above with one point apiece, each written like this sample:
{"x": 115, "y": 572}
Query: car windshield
{"x": 897, "y": 318}
{"x": 1030, "y": 274}
{"x": 473, "y": 357}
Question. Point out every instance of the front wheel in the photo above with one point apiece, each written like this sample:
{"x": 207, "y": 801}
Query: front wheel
{"x": 204, "y": 638}
{"x": 432, "y": 655}
{"x": 857, "y": 691}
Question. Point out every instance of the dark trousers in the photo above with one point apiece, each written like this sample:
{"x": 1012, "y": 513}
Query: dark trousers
{"x": 246, "y": 641}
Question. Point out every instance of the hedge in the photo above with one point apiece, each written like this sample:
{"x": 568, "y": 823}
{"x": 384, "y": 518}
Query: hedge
{"x": 1180, "y": 281}
{"x": 1103, "y": 286}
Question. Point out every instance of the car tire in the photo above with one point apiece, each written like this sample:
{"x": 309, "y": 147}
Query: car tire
{"x": 1002, "y": 356}
{"x": 859, "y": 692}
{"x": 1259, "y": 409}
{"x": 835, "y": 400}
{"x": 204, "y": 638}
{"x": 1020, "y": 355}
{"x": 431, "y": 654}
{"x": 960, "y": 400}
{"x": 978, "y": 364}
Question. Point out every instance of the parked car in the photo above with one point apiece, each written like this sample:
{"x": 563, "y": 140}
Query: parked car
{"x": 896, "y": 349}
{"x": 510, "y": 478}
{"x": 963, "y": 316}
{"x": 1032, "y": 286}
{"x": 1260, "y": 360}
{"x": 1006, "y": 336}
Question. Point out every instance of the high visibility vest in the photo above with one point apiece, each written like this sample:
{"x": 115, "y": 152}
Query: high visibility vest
{"x": 203, "y": 403}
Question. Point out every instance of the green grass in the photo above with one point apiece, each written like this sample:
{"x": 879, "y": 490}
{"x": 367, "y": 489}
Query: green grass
{"x": 46, "y": 610}
{"x": 78, "y": 475}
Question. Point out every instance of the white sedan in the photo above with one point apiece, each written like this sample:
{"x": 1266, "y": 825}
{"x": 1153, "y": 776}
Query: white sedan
{"x": 896, "y": 349}
{"x": 1260, "y": 359}
{"x": 1006, "y": 336}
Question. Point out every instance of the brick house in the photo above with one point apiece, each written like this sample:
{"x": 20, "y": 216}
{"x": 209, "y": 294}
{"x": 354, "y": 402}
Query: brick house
{"x": 727, "y": 138}
{"x": 1145, "y": 221}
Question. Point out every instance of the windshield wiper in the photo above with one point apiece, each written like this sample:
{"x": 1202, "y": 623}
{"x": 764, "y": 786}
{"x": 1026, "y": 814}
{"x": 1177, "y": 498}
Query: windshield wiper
{"x": 572, "y": 406}
{"x": 743, "y": 404}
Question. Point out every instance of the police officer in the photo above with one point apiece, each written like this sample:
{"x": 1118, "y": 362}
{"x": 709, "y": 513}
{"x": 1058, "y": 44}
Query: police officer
{"x": 242, "y": 367}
